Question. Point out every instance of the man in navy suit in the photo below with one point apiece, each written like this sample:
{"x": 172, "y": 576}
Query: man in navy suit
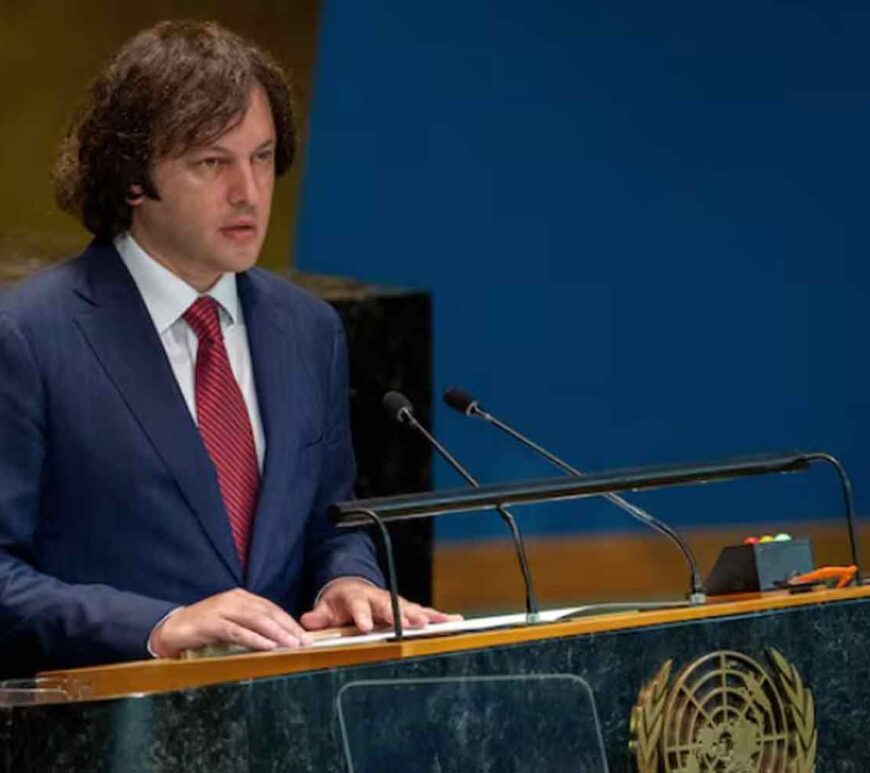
{"x": 173, "y": 421}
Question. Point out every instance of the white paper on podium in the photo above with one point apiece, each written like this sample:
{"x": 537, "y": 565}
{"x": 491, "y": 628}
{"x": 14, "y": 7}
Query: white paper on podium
{"x": 497, "y": 621}
{"x": 433, "y": 629}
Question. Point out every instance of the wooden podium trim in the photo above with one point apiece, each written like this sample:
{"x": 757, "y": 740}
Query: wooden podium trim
{"x": 133, "y": 679}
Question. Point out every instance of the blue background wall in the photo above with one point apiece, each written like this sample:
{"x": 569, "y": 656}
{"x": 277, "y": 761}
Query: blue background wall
{"x": 643, "y": 226}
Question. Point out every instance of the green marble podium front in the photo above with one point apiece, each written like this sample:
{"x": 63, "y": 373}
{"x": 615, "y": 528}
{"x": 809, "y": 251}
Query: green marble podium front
{"x": 311, "y": 711}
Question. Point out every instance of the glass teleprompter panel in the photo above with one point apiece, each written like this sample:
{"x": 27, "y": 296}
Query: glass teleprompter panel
{"x": 493, "y": 723}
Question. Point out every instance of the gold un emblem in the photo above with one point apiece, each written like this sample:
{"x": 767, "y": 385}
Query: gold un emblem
{"x": 724, "y": 713}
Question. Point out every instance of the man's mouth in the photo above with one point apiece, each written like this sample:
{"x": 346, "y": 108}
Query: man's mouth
{"x": 239, "y": 231}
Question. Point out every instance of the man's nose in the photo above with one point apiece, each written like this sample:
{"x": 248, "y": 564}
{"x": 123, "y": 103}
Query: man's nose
{"x": 243, "y": 184}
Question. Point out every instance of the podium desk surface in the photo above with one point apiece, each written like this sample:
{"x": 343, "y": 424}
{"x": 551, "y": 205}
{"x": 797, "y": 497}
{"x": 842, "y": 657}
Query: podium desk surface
{"x": 163, "y": 675}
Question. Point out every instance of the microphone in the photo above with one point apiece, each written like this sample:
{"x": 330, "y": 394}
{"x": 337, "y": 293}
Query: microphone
{"x": 400, "y": 409}
{"x": 463, "y": 402}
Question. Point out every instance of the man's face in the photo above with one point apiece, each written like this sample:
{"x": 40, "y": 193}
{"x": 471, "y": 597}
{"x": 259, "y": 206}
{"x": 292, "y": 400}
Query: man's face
{"x": 214, "y": 202}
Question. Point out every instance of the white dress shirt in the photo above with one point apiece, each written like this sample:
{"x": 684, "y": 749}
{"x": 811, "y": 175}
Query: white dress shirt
{"x": 167, "y": 297}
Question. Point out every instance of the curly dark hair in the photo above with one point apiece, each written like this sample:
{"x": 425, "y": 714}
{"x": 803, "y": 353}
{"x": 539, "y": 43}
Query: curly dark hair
{"x": 171, "y": 87}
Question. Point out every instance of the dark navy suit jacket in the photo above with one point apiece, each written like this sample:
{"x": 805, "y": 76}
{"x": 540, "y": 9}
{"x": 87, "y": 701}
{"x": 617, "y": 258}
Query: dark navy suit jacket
{"x": 110, "y": 512}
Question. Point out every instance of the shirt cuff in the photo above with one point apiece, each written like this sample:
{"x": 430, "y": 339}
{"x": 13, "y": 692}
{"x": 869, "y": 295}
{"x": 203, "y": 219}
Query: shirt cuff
{"x": 160, "y": 622}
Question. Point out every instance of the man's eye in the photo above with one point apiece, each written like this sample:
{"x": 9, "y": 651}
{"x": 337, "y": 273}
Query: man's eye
{"x": 210, "y": 163}
{"x": 264, "y": 155}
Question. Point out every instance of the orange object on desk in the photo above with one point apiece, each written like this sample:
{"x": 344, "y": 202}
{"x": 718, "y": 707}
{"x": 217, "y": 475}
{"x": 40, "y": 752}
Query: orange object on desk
{"x": 842, "y": 574}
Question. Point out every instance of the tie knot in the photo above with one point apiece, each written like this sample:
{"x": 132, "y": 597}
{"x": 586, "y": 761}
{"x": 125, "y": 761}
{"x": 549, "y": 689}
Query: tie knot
{"x": 202, "y": 316}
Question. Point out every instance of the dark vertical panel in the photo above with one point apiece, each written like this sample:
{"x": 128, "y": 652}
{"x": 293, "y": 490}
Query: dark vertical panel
{"x": 389, "y": 338}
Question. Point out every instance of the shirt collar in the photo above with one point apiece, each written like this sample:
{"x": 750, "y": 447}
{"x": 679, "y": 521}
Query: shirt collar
{"x": 166, "y": 295}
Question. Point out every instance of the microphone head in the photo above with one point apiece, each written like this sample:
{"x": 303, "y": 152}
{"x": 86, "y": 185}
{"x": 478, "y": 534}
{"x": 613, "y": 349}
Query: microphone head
{"x": 459, "y": 400}
{"x": 397, "y": 406}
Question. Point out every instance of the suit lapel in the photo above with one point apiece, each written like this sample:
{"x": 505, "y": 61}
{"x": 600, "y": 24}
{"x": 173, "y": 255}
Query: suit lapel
{"x": 120, "y": 331}
{"x": 275, "y": 360}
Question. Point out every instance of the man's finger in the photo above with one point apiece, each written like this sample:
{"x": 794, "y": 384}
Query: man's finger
{"x": 437, "y": 616}
{"x": 361, "y": 612}
{"x": 262, "y": 623}
{"x": 232, "y": 633}
{"x": 413, "y": 613}
{"x": 289, "y": 624}
{"x": 318, "y": 618}
{"x": 243, "y": 602}
{"x": 383, "y": 609}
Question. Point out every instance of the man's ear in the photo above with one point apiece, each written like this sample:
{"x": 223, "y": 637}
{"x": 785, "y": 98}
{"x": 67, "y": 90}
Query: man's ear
{"x": 135, "y": 195}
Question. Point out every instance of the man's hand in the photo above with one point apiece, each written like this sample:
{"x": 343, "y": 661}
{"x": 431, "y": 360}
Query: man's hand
{"x": 354, "y": 601}
{"x": 234, "y": 617}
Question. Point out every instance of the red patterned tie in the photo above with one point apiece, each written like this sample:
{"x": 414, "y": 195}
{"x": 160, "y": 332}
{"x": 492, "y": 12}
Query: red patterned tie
{"x": 224, "y": 423}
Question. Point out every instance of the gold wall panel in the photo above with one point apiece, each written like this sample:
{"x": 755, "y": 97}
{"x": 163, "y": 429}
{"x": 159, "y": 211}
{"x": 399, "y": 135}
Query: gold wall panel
{"x": 49, "y": 52}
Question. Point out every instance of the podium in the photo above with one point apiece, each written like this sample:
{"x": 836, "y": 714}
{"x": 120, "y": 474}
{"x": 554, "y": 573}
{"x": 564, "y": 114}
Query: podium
{"x": 771, "y": 681}
{"x": 567, "y": 693}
